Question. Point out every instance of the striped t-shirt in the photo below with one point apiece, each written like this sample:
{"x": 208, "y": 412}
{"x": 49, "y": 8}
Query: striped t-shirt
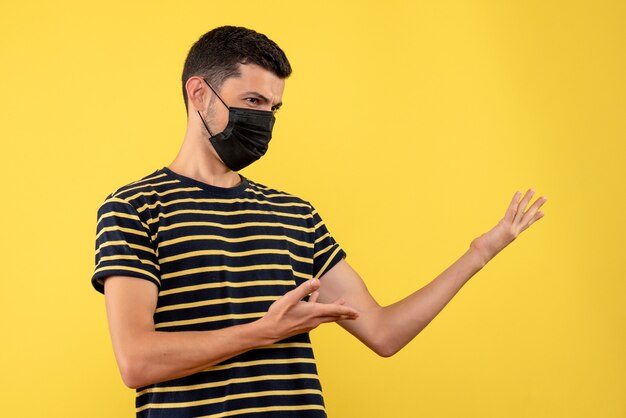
{"x": 219, "y": 257}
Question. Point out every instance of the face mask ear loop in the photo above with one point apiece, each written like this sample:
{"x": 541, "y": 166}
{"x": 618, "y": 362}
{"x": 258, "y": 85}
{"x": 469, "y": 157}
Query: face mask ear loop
{"x": 218, "y": 96}
{"x": 204, "y": 123}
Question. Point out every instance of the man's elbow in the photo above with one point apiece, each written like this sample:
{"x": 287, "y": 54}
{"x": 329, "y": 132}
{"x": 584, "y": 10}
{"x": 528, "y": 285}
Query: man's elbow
{"x": 384, "y": 346}
{"x": 132, "y": 371}
{"x": 132, "y": 381}
{"x": 380, "y": 339}
{"x": 385, "y": 349}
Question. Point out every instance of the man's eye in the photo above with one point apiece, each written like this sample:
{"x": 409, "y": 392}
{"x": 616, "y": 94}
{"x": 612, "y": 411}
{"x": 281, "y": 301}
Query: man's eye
{"x": 252, "y": 100}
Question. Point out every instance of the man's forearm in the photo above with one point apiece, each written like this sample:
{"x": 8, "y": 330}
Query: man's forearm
{"x": 156, "y": 356}
{"x": 399, "y": 323}
{"x": 146, "y": 356}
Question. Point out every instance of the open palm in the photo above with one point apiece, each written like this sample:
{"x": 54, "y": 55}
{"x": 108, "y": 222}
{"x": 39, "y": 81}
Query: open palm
{"x": 515, "y": 221}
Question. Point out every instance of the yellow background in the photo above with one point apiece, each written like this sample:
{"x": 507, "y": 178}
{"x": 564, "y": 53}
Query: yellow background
{"x": 409, "y": 125}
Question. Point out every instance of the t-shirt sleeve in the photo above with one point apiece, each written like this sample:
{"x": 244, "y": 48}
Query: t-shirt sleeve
{"x": 123, "y": 245}
{"x": 326, "y": 251}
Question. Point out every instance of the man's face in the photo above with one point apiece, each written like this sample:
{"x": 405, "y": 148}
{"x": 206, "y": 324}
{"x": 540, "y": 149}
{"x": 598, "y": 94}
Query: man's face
{"x": 256, "y": 88}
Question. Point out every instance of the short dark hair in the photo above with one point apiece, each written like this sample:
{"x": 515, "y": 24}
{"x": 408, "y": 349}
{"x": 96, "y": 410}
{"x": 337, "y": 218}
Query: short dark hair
{"x": 217, "y": 54}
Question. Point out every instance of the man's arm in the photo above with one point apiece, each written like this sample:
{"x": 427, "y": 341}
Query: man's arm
{"x": 387, "y": 329}
{"x": 146, "y": 356}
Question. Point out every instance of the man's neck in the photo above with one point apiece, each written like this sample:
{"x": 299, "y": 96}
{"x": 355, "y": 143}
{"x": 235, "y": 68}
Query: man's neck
{"x": 197, "y": 160}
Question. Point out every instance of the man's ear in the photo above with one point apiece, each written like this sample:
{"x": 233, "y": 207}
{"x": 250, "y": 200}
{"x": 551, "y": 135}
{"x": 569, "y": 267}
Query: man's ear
{"x": 196, "y": 94}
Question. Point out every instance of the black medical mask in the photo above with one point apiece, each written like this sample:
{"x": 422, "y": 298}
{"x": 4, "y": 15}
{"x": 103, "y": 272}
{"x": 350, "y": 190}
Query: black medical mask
{"x": 246, "y": 137}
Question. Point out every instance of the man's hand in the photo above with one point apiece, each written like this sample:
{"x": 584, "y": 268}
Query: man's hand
{"x": 515, "y": 222}
{"x": 290, "y": 315}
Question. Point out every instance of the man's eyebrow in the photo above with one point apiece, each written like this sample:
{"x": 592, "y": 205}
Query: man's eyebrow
{"x": 260, "y": 96}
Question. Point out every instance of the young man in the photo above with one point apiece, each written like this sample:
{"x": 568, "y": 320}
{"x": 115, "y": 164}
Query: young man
{"x": 234, "y": 273}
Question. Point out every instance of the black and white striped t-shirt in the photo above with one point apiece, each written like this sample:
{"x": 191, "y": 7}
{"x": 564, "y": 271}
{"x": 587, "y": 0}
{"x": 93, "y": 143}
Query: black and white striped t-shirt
{"x": 219, "y": 257}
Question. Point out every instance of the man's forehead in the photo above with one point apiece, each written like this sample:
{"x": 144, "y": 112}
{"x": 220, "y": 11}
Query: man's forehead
{"x": 256, "y": 78}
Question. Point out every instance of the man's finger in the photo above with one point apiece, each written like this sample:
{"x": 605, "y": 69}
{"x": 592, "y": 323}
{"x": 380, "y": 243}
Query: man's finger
{"x": 533, "y": 209}
{"x": 510, "y": 212}
{"x": 522, "y": 205}
{"x": 329, "y": 309}
{"x": 314, "y": 296}
{"x": 326, "y": 319}
{"x": 537, "y": 216}
{"x": 299, "y": 293}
